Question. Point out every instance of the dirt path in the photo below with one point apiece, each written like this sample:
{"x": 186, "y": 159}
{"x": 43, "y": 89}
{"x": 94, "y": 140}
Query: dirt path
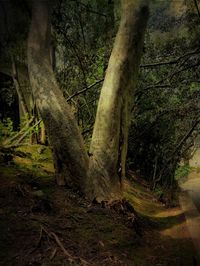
{"x": 190, "y": 203}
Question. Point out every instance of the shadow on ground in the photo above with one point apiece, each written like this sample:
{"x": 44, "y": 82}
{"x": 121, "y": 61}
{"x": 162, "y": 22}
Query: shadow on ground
{"x": 33, "y": 210}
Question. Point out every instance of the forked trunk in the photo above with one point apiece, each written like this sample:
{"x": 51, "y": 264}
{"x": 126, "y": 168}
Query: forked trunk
{"x": 70, "y": 157}
{"x": 109, "y": 141}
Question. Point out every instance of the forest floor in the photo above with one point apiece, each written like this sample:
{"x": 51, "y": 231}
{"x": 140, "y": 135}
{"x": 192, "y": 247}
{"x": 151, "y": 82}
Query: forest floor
{"x": 43, "y": 224}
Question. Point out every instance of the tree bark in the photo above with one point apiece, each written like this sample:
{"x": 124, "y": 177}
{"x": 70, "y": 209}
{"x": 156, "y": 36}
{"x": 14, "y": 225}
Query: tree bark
{"x": 109, "y": 142}
{"x": 24, "y": 112}
{"x": 70, "y": 157}
{"x": 110, "y": 136}
{"x": 6, "y": 67}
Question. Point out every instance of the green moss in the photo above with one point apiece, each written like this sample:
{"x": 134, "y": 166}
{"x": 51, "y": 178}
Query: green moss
{"x": 38, "y": 152}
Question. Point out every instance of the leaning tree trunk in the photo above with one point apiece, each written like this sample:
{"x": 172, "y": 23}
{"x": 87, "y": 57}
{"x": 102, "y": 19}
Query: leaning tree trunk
{"x": 110, "y": 136}
{"x": 70, "y": 157}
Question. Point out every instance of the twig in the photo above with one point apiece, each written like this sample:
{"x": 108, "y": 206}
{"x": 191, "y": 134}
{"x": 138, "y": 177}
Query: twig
{"x": 20, "y": 132}
{"x": 84, "y": 90}
{"x": 26, "y": 133}
{"x": 71, "y": 258}
{"x": 169, "y": 77}
{"x": 87, "y": 130}
{"x": 13, "y": 146}
{"x": 171, "y": 62}
{"x": 197, "y": 8}
{"x": 53, "y": 253}
{"x": 90, "y": 10}
{"x": 177, "y": 148}
{"x": 187, "y": 135}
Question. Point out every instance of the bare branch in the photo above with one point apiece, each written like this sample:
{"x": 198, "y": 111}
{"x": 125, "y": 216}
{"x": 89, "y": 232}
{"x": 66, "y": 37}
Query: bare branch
{"x": 84, "y": 90}
{"x": 197, "y": 7}
{"x": 171, "y": 62}
{"x": 90, "y": 10}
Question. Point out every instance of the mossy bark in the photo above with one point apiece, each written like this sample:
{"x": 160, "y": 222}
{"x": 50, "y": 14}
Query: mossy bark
{"x": 109, "y": 141}
{"x": 70, "y": 157}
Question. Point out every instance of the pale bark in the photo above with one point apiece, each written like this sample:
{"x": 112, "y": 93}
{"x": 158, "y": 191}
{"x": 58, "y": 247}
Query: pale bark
{"x": 42, "y": 134}
{"x": 109, "y": 141}
{"x": 70, "y": 157}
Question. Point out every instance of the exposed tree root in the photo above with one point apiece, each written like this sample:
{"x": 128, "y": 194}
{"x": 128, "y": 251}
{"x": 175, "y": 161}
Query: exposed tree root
{"x": 125, "y": 210}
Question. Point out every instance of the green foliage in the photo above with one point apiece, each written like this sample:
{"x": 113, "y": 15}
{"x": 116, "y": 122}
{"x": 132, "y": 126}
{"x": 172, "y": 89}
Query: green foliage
{"x": 166, "y": 98}
{"x": 194, "y": 87}
{"x": 158, "y": 191}
{"x": 83, "y": 40}
{"x": 167, "y": 105}
{"x": 182, "y": 171}
{"x": 6, "y": 129}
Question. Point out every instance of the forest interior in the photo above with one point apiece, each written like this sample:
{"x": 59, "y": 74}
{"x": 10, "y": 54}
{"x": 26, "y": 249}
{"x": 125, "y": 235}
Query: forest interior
{"x": 99, "y": 132}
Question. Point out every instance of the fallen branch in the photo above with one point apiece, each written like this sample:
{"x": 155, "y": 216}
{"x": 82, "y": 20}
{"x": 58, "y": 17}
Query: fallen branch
{"x": 70, "y": 257}
{"x": 17, "y": 143}
{"x": 20, "y": 132}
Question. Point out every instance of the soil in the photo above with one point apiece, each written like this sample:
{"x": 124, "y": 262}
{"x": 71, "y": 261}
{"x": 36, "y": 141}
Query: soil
{"x": 43, "y": 224}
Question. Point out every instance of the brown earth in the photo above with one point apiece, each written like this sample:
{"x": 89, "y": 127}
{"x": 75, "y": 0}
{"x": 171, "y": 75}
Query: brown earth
{"x": 42, "y": 224}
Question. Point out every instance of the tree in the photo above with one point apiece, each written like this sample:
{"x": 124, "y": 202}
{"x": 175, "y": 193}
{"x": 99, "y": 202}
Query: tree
{"x": 165, "y": 121}
{"x": 110, "y": 136}
{"x": 98, "y": 175}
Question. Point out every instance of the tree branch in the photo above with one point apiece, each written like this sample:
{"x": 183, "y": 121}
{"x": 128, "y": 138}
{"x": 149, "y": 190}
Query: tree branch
{"x": 171, "y": 62}
{"x": 197, "y": 8}
{"x": 84, "y": 90}
{"x": 90, "y": 10}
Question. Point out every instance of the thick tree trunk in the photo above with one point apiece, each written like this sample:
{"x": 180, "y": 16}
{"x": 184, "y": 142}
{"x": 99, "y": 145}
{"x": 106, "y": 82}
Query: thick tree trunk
{"x": 70, "y": 157}
{"x": 109, "y": 141}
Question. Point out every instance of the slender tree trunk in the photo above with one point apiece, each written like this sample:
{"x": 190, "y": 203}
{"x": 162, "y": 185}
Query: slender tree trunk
{"x": 109, "y": 141}
{"x": 22, "y": 103}
{"x": 70, "y": 157}
{"x": 42, "y": 134}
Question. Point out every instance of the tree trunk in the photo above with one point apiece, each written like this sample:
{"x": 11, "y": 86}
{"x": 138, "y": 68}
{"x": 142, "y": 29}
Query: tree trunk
{"x": 109, "y": 141}
{"x": 43, "y": 138}
{"x": 23, "y": 109}
{"x": 70, "y": 157}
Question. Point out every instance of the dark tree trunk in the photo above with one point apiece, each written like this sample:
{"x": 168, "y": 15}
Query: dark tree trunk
{"x": 70, "y": 157}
